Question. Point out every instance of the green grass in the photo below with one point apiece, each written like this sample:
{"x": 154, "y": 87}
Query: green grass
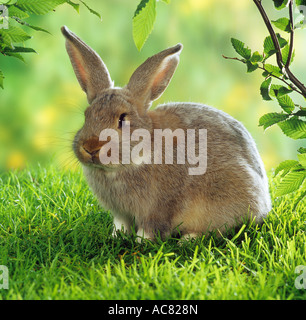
{"x": 56, "y": 242}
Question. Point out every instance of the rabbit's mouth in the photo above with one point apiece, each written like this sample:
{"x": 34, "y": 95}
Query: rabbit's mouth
{"x": 103, "y": 167}
{"x": 89, "y": 157}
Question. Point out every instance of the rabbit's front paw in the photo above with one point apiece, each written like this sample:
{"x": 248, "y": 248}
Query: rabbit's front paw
{"x": 188, "y": 237}
{"x": 121, "y": 225}
{"x": 141, "y": 235}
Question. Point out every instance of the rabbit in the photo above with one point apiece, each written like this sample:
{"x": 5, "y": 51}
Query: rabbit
{"x": 165, "y": 199}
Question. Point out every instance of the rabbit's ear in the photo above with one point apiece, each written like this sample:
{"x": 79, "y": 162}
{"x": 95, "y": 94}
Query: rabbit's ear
{"x": 89, "y": 68}
{"x": 150, "y": 79}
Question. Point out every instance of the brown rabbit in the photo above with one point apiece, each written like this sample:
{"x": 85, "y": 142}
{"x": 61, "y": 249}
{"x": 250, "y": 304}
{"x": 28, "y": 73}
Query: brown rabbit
{"x": 164, "y": 198}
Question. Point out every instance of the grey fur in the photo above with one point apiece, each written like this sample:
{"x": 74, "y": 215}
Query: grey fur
{"x": 159, "y": 198}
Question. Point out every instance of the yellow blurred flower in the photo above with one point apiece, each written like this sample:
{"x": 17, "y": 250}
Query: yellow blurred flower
{"x": 237, "y": 99}
{"x": 45, "y": 117}
{"x": 270, "y": 160}
{"x": 189, "y": 6}
{"x": 16, "y": 160}
{"x": 41, "y": 141}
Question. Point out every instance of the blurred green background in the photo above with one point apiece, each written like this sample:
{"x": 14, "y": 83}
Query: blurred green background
{"x": 42, "y": 105}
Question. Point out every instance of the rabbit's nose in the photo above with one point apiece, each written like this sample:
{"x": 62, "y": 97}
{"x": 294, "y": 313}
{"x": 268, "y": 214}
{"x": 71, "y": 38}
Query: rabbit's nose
{"x": 92, "y": 146}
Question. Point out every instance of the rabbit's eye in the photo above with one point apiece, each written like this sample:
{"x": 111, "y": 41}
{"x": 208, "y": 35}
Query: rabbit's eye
{"x": 121, "y": 119}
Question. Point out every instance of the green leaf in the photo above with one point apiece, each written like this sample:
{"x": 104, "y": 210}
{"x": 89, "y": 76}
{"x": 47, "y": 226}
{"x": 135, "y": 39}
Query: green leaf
{"x": 300, "y": 2}
{"x": 273, "y": 70}
{"x": 269, "y": 119}
{"x": 91, "y": 10}
{"x": 36, "y": 28}
{"x": 256, "y": 57}
{"x": 142, "y": 4}
{"x": 76, "y": 6}
{"x": 143, "y": 22}
{"x": 269, "y": 48}
{"x": 286, "y": 166}
{"x": 302, "y": 150}
{"x": 14, "y": 35}
{"x": 274, "y": 90}
{"x": 16, "y": 12}
{"x": 265, "y": 88}
{"x": 279, "y": 90}
{"x": 286, "y": 103}
{"x": 240, "y": 48}
{"x": 282, "y": 24}
{"x": 166, "y": 1}
{"x": 294, "y": 128}
{"x": 1, "y": 79}
{"x": 282, "y": 42}
{"x": 291, "y": 182}
{"x": 285, "y": 54}
{"x": 37, "y": 6}
{"x": 15, "y": 55}
{"x": 5, "y": 39}
{"x": 280, "y": 4}
{"x": 29, "y": 25}
{"x": 283, "y": 90}
{"x": 301, "y": 113}
{"x": 20, "y": 50}
{"x": 251, "y": 66}
{"x": 302, "y": 159}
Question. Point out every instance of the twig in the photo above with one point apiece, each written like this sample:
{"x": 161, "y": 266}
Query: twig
{"x": 291, "y": 34}
{"x": 229, "y": 58}
{"x": 269, "y": 74}
{"x": 266, "y": 19}
{"x": 279, "y": 58}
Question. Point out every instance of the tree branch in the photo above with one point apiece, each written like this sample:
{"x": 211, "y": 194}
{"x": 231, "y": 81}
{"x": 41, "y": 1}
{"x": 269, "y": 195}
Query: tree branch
{"x": 268, "y": 24}
{"x": 291, "y": 34}
{"x": 269, "y": 74}
{"x": 279, "y": 58}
